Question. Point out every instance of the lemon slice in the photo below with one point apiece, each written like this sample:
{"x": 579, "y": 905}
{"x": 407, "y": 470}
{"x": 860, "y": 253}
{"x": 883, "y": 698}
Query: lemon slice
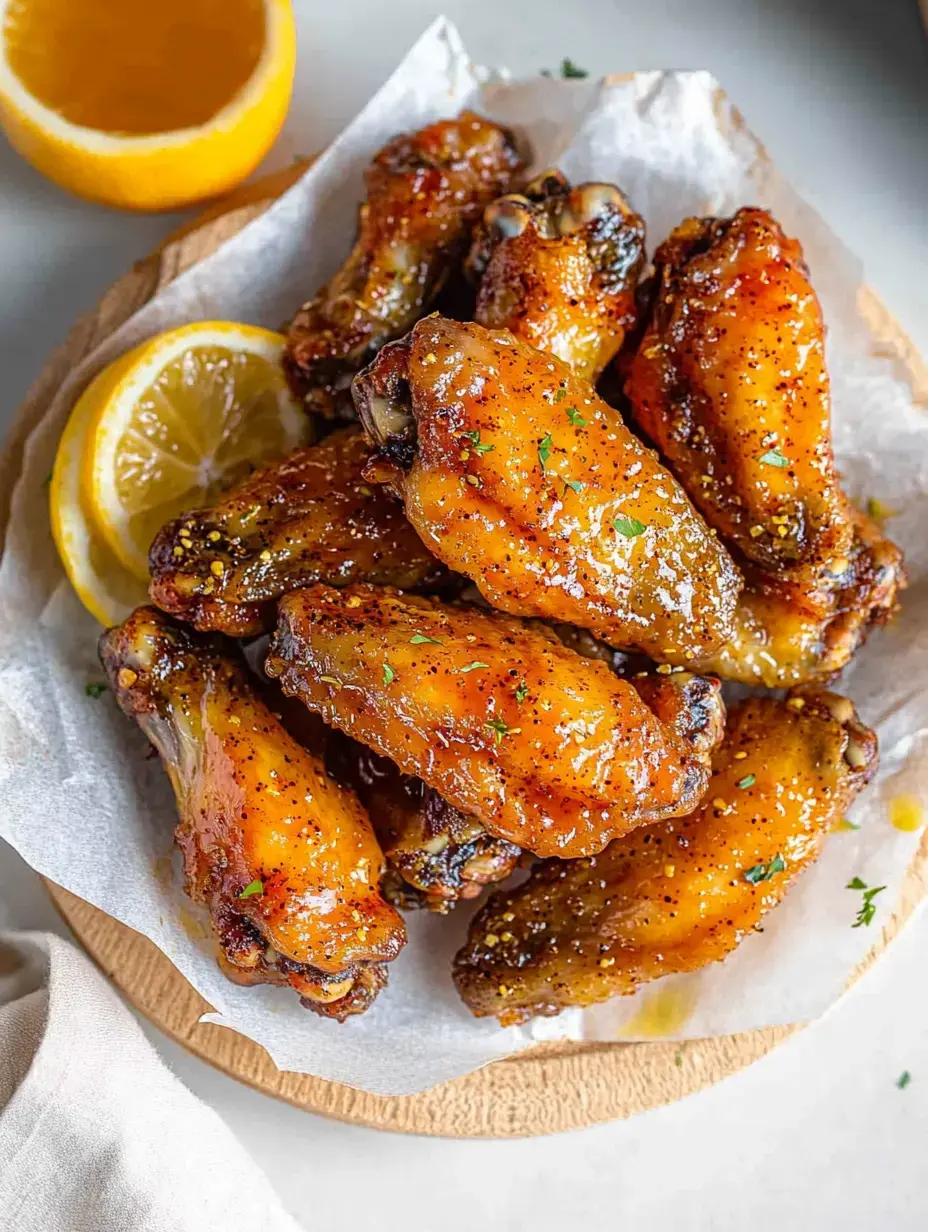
{"x": 103, "y": 585}
{"x": 145, "y": 105}
{"x": 186, "y": 414}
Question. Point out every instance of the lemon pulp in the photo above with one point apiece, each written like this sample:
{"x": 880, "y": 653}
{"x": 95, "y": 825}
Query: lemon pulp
{"x": 134, "y": 68}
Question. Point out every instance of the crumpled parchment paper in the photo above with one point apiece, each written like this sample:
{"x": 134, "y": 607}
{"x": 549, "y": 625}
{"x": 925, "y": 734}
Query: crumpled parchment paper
{"x": 84, "y": 807}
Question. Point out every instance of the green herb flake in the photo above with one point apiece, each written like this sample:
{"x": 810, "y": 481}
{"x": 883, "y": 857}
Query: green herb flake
{"x": 419, "y": 639}
{"x": 521, "y": 692}
{"x": 867, "y": 907}
{"x": 48, "y": 479}
{"x": 560, "y": 395}
{"x": 95, "y": 688}
{"x": 571, "y": 70}
{"x": 879, "y": 511}
{"x": 574, "y": 484}
{"x": 475, "y": 443}
{"x": 499, "y": 728}
{"x": 631, "y": 528}
{"x": 764, "y": 872}
{"x": 903, "y": 1080}
{"x": 748, "y": 781}
{"x": 472, "y": 667}
{"x": 575, "y": 417}
{"x": 389, "y": 675}
{"x": 678, "y": 1058}
{"x": 544, "y": 450}
{"x": 773, "y": 457}
{"x": 253, "y": 887}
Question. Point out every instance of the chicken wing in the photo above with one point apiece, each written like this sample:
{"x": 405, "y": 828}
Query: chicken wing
{"x": 674, "y": 897}
{"x": 284, "y": 859}
{"x": 548, "y": 750}
{"x": 435, "y": 854}
{"x": 424, "y": 192}
{"x": 789, "y": 633}
{"x": 730, "y": 383}
{"x": 558, "y": 267}
{"x": 311, "y": 517}
{"x": 517, "y": 475}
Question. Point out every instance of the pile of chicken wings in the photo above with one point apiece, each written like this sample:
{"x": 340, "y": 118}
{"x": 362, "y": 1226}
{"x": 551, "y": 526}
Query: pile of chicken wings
{"x": 502, "y": 603}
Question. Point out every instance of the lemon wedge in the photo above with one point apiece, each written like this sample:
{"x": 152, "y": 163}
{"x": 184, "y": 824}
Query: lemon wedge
{"x": 145, "y": 105}
{"x": 183, "y": 416}
{"x": 103, "y": 585}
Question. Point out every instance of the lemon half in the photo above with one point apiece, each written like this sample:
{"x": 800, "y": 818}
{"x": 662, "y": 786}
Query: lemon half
{"x": 145, "y": 105}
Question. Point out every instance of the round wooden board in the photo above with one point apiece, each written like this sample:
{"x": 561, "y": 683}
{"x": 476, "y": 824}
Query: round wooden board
{"x": 545, "y": 1090}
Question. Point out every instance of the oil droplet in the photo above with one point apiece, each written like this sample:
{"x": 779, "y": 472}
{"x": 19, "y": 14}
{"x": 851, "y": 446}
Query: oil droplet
{"x": 906, "y": 813}
{"x": 195, "y": 929}
{"x": 662, "y": 1013}
{"x": 162, "y": 870}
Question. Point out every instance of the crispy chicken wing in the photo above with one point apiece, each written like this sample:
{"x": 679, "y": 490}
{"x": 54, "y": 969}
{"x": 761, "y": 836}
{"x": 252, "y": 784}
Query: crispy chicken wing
{"x": 788, "y": 633}
{"x": 730, "y": 383}
{"x": 674, "y": 897}
{"x": 548, "y": 750}
{"x": 517, "y": 475}
{"x": 558, "y": 267}
{"x": 424, "y": 192}
{"x": 311, "y": 517}
{"x": 284, "y": 859}
{"x": 435, "y": 854}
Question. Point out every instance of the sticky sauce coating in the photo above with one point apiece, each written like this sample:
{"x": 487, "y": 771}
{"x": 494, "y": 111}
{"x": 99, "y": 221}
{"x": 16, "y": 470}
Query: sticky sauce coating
{"x": 730, "y": 383}
{"x": 516, "y": 474}
{"x": 285, "y": 860}
{"x": 311, "y": 517}
{"x": 546, "y": 749}
{"x": 673, "y": 897}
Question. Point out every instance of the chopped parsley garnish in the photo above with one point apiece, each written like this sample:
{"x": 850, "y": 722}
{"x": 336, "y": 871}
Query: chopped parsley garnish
{"x": 474, "y": 438}
{"x": 748, "y": 781}
{"x": 879, "y": 511}
{"x": 773, "y": 457}
{"x": 253, "y": 887}
{"x": 389, "y": 675}
{"x": 764, "y": 872}
{"x": 419, "y": 639}
{"x": 903, "y": 1080}
{"x": 575, "y": 417}
{"x": 472, "y": 667}
{"x": 569, "y": 69}
{"x": 574, "y": 484}
{"x": 868, "y": 906}
{"x": 499, "y": 728}
{"x": 544, "y": 450}
{"x": 95, "y": 688}
{"x": 521, "y": 692}
{"x": 561, "y": 394}
{"x": 678, "y": 1058}
{"x": 631, "y": 528}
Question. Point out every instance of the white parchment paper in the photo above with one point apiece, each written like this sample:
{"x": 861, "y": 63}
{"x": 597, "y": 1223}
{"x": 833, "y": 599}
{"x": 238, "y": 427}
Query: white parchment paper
{"x": 83, "y": 805}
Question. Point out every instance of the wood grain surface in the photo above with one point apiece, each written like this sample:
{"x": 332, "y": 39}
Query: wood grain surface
{"x": 547, "y": 1089}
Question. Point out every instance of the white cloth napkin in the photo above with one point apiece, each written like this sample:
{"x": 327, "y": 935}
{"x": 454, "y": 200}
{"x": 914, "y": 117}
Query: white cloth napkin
{"x": 96, "y": 1134}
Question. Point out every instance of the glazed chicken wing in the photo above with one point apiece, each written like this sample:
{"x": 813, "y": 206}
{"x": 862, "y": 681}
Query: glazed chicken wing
{"x": 435, "y": 854}
{"x": 284, "y": 859}
{"x": 558, "y": 267}
{"x": 730, "y": 383}
{"x": 674, "y": 897}
{"x": 789, "y": 633}
{"x": 548, "y": 750}
{"x": 424, "y": 192}
{"x": 310, "y": 518}
{"x": 517, "y": 475}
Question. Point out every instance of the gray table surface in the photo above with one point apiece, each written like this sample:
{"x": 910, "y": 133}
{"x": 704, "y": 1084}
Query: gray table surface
{"x": 816, "y": 1136}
